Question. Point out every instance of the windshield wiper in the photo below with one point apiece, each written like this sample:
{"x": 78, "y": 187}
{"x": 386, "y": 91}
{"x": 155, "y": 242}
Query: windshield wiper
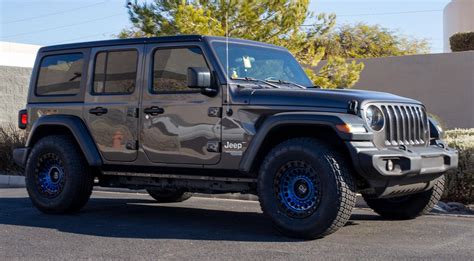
{"x": 288, "y": 82}
{"x": 250, "y": 79}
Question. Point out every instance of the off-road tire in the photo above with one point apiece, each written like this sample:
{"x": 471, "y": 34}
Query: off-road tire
{"x": 408, "y": 207}
{"x": 169, "y": 196}
{"x": 337, "y": 188}
{"x": 78, "y": 180}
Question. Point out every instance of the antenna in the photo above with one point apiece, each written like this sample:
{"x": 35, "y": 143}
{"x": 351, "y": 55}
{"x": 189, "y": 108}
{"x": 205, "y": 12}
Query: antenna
{"x": 228, "y": 110}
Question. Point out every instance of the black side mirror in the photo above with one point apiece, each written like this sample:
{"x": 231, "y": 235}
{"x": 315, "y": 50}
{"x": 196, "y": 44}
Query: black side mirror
{"x": 199, "y": 77}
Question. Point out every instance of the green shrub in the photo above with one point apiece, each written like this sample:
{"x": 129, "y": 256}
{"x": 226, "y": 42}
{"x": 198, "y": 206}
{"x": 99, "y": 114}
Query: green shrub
{"x": 462, "y": 42}
{"x": 460, "y": 183}
{"x": 10, "y": 138}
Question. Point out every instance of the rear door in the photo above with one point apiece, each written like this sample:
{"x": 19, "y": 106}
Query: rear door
{"x": 178, "y": 124}
{"x": 111, "y": 102}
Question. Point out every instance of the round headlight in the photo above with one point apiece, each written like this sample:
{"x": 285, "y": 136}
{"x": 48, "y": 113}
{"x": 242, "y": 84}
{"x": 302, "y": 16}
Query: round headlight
{"x": 374, "y": 118}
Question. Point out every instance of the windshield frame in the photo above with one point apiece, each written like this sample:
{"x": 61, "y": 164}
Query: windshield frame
{"x": 222, "y": 67}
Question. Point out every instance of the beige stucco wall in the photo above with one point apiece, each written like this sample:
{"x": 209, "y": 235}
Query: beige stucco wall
{"x": 16, "y": 61}
{"x": 458, "y": 17}
{"x": 443, "y": 82}
{"x": 13, "y": 91}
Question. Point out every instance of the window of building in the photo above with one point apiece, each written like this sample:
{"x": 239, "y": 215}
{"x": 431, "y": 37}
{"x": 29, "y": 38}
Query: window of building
{"x": 115, "y": 72}
{"x": 60, "y": 74}
{"x": 170, "y": 68}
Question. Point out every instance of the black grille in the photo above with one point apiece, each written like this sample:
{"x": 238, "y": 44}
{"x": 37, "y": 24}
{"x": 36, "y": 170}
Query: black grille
{"x": 405, "y": 124}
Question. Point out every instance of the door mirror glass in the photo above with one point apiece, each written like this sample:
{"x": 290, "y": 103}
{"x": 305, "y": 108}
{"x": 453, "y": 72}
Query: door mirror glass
{"x": 199, "y": 77}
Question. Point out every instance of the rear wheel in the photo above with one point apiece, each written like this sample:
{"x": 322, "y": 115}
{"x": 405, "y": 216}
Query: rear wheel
{"x": 407, "y": 207}
{"x": 168, "y": 196}
{"x": 305, "y": 187}
{"x": 58, "y": 179}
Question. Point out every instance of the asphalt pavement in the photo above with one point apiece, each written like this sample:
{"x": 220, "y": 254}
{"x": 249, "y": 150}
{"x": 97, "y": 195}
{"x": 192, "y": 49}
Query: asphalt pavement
{"x": 131, "y": 226}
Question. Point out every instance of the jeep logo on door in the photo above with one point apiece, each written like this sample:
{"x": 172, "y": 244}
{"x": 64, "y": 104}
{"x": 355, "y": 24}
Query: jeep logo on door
{"x": 234, "y": 148}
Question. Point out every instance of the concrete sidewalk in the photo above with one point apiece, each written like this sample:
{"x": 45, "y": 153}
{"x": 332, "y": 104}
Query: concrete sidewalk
{"x": 12, "y": 181}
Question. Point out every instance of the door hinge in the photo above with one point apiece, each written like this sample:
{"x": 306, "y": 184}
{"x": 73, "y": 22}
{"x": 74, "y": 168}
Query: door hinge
{"x": 132, "y": 145}
{"x": 213, "y": 146}
{"x": 132, "y": 112}
{"x": 214, "y": 112}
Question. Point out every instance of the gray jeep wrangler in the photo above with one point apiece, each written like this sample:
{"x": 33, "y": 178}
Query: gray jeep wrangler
{"x": 183, "y": 114}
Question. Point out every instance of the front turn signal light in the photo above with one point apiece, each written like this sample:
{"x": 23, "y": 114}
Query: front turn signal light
{"x": 348, "y": 128}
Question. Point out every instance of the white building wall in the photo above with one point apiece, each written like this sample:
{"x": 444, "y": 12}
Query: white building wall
{"x": 458, "y": 17}
{"x": 18, "y": 55}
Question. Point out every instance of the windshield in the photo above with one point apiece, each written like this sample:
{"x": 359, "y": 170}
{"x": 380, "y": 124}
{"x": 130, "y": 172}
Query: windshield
{"x": 262, "y": 63}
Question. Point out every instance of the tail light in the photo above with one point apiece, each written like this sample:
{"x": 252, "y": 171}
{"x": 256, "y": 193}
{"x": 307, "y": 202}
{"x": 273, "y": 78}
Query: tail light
{"x": 22, "y": 119}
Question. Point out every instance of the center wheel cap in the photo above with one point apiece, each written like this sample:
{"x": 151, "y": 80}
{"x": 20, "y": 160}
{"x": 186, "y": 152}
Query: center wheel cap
{"x": 301, "y": 189}
{"x": 54, "y": 174}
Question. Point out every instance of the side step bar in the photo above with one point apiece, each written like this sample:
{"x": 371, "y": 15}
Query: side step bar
{"x": 177, "y": 176}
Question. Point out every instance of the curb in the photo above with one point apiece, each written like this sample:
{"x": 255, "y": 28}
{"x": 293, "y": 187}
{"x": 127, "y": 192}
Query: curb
{"x": 12, "y": 181}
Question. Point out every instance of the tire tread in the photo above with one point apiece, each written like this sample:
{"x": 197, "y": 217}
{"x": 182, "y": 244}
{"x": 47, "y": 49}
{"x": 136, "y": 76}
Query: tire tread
{"x": 346, "y": 194}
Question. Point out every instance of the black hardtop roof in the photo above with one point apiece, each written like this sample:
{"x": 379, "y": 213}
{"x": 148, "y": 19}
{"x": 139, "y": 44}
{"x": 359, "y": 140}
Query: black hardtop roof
{"x": 160, "y": 39}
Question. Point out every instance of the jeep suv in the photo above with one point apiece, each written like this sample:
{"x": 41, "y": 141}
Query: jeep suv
{"x": 183, "y": 114}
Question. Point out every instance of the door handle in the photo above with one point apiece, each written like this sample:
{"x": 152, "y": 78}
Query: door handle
{"x": 154, "y": 110}
{"x": 98, "y": 111}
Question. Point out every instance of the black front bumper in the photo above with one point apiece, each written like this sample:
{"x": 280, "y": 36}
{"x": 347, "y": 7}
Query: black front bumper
{"x": 415, "y": 168}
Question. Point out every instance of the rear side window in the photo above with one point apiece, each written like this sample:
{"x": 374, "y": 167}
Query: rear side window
{"x": 60, "y": 74}
{"x": 170, "y": 68}
{"x": 115, "y": 72}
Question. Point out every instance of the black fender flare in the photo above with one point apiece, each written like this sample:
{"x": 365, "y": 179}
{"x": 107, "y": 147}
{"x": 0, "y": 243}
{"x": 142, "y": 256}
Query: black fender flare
{"x": 326, "y": 119}
{"x": 77, "y": 128}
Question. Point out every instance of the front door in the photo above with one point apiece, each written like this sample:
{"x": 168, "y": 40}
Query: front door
{"x": 111, "y": 102}
{"x": 177, "y": 126}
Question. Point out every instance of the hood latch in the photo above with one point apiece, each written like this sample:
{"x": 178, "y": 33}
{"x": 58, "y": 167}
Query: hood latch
{"x": 352, "y": 107}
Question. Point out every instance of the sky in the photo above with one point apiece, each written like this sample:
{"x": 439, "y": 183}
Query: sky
{"x": 49, "y": 22}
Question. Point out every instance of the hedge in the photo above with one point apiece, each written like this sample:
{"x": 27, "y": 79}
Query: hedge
{"x": 460, "y": 183}
{"x": 462, "y": 42}
{"x": 10, "y": 138}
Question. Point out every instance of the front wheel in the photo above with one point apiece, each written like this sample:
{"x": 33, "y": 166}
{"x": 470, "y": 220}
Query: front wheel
{"x": 305, "y": 187}
{"x": 407, "y": 207}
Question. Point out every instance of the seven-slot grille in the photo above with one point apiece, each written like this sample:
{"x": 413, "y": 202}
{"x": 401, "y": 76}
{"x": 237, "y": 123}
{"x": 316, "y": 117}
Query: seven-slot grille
{"x": 405, "y": 124}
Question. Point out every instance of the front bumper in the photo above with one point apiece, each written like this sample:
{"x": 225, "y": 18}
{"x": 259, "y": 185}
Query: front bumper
{"x": 415, "y": 168}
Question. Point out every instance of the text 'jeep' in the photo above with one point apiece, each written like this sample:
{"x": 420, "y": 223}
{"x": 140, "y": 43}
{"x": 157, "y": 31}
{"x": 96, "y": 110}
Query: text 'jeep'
{"x": 182, "y": 114}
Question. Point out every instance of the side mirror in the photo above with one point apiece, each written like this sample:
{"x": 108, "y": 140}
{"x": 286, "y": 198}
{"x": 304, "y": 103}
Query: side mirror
{"x": 199, "y": 77}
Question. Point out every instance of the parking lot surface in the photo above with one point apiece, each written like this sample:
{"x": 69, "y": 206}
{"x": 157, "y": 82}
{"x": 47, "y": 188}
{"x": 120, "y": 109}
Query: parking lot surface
{"x": 132, "y": 226}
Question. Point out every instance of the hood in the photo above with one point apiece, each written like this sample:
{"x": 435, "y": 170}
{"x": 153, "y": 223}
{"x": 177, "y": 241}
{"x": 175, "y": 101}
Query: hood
{"x": 331, "y": 98}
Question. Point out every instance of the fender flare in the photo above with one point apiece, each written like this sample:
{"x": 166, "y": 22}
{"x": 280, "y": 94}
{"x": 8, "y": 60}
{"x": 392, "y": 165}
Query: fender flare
{"x": 79, "y": 131}
{"x": 301, "y": 118}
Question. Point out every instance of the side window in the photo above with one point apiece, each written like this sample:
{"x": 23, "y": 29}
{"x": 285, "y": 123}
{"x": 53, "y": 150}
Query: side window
{"x": 170, "y": 68}
{"x": 60, "y": 74}
{"x": 115, "y": 72}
